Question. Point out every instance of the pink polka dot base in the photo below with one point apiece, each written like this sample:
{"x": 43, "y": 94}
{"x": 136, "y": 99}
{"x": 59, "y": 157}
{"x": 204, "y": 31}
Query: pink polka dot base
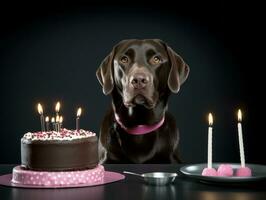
{"x": 47, "y": 178}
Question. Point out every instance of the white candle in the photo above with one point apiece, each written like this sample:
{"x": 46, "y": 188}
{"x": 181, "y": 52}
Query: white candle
{"x": 53, "y": 123}
{"x": 57, "y": 108}
{"x": 40, "y": 111}
{"x": 60, "y": 122}
{"x": 77, "y": 119}
{"x": 240, "y": 139}
{"x": 47, "y": 123}
{"x": 210, "y": 141}
{"x": 57, "y": 119}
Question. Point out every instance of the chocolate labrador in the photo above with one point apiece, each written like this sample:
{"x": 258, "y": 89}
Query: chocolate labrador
{"x": 140, "y": 75}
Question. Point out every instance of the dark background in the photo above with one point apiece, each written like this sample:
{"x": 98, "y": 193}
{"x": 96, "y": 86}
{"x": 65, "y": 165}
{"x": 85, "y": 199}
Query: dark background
{"x": 50, "y": 52}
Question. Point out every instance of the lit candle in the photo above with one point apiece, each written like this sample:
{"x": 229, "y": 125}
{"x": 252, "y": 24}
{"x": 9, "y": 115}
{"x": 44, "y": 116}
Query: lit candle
{"x": 243, "y": 171}
{"x": 57, "y": 108}
{"x": 40, "y": 111}
{"x": 60, "y": 122}
{"x": 240, "y": 138}
{"x": 209, "y": 171}
{"x": 47, "y": 123}
{"x": 57, "y": 119}
{"x": 210, "y": 141}
{"x": 77, "y": 119}
{"x": 53, "y": 123}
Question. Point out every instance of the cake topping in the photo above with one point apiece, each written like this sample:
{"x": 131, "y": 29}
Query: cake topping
{"x": 64, "y": 134}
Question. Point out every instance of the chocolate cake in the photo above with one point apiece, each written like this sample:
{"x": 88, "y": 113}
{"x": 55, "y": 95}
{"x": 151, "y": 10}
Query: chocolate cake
{"x": 59, "y": 158}
{"x": 59, "y": 151}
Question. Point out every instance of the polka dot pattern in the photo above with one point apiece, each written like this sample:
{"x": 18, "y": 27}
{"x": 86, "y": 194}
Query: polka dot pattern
{"x": 29, "y": 177}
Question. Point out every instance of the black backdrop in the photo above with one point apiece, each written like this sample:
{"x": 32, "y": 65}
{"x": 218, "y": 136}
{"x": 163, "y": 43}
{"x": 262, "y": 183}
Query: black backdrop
{"x": 50, "y": 52}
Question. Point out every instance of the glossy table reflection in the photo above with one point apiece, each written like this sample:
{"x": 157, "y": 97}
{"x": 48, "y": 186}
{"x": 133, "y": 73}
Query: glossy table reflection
{"x": 134, "y": 188}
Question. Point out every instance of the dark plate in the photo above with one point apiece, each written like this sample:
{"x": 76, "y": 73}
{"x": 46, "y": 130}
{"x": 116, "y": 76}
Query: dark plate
{"x": 195, "y": 170}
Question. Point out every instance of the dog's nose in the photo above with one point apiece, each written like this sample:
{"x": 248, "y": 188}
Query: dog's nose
{"x": 139, "y": 80}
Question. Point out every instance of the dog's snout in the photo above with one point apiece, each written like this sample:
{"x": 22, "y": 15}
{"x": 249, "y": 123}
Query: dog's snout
{"x": 139, "y": 80}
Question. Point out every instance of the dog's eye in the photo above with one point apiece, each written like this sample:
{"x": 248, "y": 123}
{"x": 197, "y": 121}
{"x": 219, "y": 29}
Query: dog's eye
{"x": 156, "y": 59}
{"x": 124, "y": 59}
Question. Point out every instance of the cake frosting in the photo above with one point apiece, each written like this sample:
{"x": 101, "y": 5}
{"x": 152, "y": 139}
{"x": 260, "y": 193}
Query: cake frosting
{"x": 64, "y": 134}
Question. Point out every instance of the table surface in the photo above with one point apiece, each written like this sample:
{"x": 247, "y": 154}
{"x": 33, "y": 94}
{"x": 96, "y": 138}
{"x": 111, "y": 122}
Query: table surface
{"x": 133, "y": 187}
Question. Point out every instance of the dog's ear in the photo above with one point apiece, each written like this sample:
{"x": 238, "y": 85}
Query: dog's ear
{"x": 179, "y": 70}
{"x": 105, "y": 75}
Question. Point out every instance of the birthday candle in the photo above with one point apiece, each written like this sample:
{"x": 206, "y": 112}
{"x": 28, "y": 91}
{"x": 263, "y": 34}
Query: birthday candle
{"x": 57, "y": 108}
{"x": 47, "y": 123}
{"x": 53, "y": 122}
{"x": 210, "y": 141}
{"x": 240, "y": 139}
{"x": 57, "y": 123}
{"x": 40, "y": 111}
{"x": 77, "y": 119}
{"x": 60, "y": 122}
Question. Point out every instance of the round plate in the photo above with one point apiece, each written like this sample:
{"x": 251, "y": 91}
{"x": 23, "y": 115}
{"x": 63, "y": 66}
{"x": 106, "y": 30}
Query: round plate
{"x": 195, "y": 170}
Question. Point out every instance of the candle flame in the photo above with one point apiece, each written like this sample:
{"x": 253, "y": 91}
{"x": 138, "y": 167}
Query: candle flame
{"x": 47, "y": 119}
{"x": 57, "y": 107}
{"x": 210, "y": 119}
{"x": 52, "y": 120}
{"x": 79, "y": 112}
{"x": 40, "y": 110}
{"x": 57, "y": 118}
{"x": 61, "y": 119}
{"x": 239, "y": 115}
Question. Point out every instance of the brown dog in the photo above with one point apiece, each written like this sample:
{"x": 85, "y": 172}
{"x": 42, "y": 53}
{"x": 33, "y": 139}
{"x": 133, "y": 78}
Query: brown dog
{"x": 140, "y": 76}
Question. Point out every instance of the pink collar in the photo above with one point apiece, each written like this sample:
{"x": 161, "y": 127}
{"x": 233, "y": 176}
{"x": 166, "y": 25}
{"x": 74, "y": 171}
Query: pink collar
{"x": 140, "y": 129}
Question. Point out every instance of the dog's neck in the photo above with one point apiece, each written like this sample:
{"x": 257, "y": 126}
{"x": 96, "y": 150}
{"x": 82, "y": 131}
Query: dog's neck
{"x": 140, "y": 129}
{"x": 138, "y": 115}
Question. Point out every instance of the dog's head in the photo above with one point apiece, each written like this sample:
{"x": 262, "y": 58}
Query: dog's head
{"x": 141, "y": 70}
